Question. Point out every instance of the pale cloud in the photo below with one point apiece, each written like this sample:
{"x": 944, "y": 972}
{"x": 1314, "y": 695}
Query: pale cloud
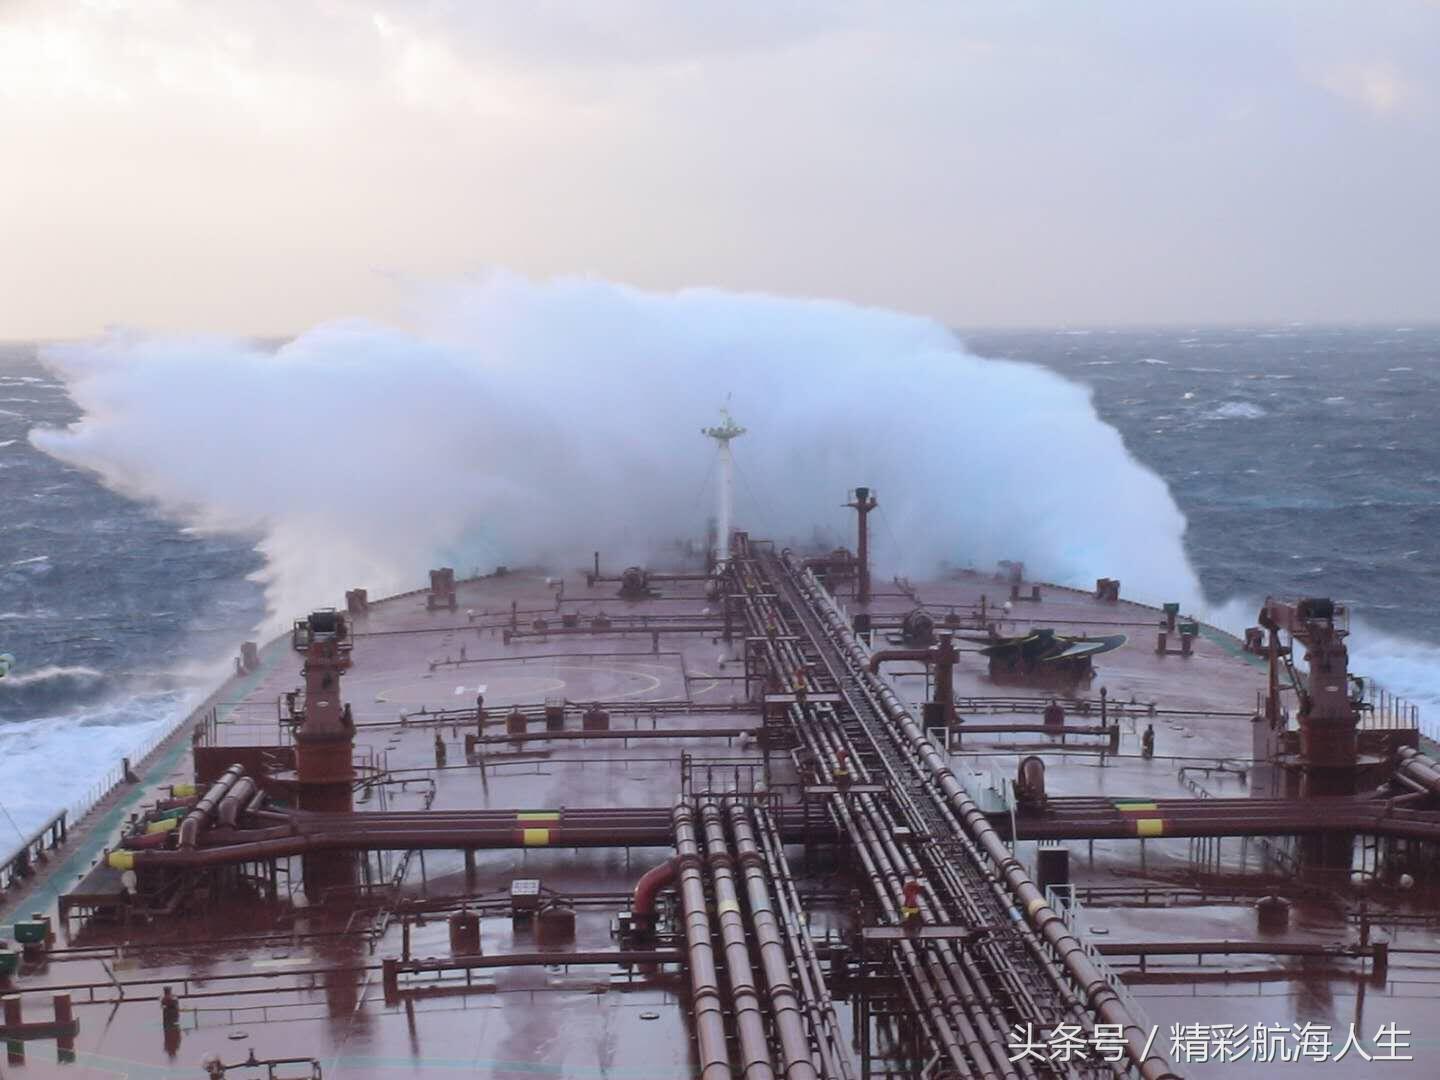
{"x": 1377, "y": 87}
{"x": 426, "y": 72}
{"x": 163, "y": 56}
{"x": 260, "y": 165}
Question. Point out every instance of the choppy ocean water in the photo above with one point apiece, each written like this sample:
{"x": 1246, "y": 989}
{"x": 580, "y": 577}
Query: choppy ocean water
{"x": 114, "y": 615}
{"x": 1305, "y": 461}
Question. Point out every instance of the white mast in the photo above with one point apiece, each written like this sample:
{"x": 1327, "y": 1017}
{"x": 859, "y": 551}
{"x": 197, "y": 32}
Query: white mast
{"x": 725, "y": 484}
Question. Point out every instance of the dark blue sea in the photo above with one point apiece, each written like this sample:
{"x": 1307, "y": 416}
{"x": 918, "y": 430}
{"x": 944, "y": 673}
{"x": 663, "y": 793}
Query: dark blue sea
{"x": 1305, "y": 460}
{"x": 114, "y": 615}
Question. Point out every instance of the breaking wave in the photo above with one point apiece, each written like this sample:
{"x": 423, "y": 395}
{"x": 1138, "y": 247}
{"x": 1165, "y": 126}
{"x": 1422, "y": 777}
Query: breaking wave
{"x": 57, "y": 760}
{"x": 1238, "y": 410}
{"x": 51, "y": 673}
{"x": 524, "y": 419}
{"x": 47, "y": 689}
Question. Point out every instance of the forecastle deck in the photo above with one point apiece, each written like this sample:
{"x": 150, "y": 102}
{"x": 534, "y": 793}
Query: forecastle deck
{"x": 494, "y": 910}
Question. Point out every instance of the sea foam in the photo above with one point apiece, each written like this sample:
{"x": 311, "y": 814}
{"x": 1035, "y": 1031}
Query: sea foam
{"x": 526, "y": 420}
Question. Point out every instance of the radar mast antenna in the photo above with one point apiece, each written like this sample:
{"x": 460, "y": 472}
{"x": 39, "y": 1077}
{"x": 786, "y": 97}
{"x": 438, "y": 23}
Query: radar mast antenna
{"x": 723, "y": 434}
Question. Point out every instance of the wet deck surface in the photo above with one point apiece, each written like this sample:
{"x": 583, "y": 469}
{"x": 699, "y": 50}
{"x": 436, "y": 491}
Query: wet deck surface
{"x": 286, "y": 979}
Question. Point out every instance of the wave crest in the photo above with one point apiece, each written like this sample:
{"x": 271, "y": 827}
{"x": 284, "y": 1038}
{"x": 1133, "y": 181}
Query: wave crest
{"x": 546, "y": 419}
{"x": 49, "y": 673}
{"x": 1238, "y": 410}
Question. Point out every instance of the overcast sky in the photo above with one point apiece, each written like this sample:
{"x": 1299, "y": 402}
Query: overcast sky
{"x": 257, "y": 165}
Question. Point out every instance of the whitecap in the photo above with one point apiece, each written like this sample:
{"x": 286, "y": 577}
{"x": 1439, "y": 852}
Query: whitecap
{"x": 45, "y": 674}
{"x": 1400, "y": 369}
{"x": 53, "y": 759}
{"x": 1152, "y": 360}
{"x": 1238, "y": 410}
{"x": 1336, "y": 400}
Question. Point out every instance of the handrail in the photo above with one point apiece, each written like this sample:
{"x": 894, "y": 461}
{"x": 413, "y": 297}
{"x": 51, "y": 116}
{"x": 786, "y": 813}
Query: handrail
{"x": 1064, "y": 901}
{"x": 58, "y": 826}
{"x": 1082, "y": 706}
{"x": 18, "y": 864}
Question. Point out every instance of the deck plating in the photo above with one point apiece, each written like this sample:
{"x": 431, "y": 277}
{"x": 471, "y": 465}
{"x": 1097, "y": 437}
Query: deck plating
{"x": 841, "y": 901}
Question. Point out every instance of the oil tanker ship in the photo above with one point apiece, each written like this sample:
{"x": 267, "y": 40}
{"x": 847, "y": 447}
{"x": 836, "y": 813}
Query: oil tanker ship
{"x": 751, "y": 811}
